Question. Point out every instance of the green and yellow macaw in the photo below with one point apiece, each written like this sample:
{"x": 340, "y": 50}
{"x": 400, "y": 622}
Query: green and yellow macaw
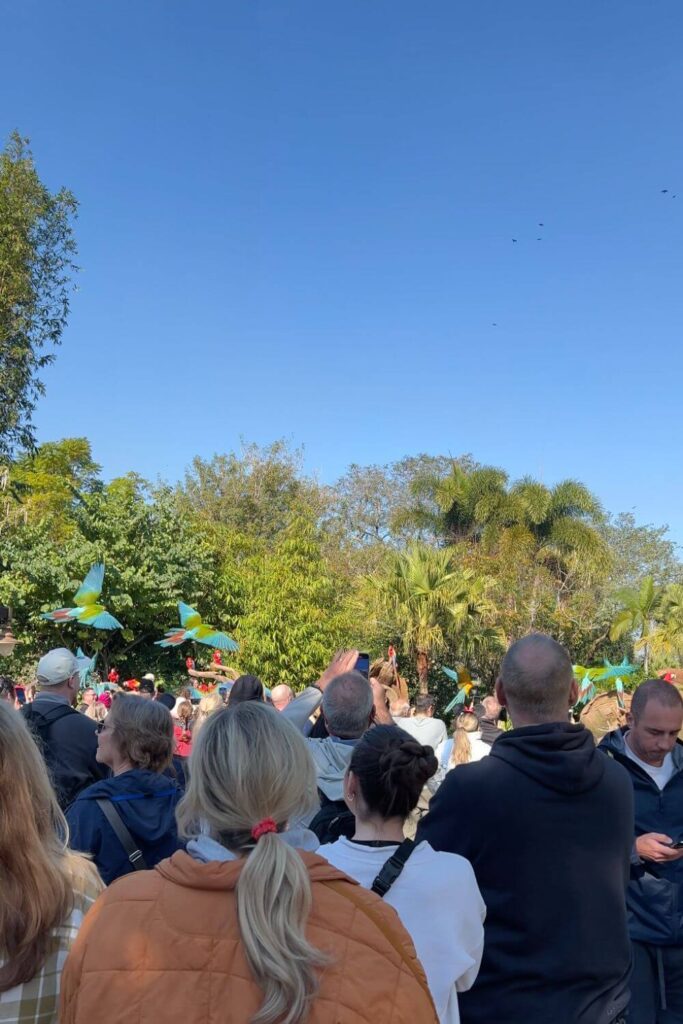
{"x": 87, "y": 611}
{"x": 192, "y": 628}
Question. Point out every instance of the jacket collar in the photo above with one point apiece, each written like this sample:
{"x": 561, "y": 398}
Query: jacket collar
{"x": 184, "y": 870}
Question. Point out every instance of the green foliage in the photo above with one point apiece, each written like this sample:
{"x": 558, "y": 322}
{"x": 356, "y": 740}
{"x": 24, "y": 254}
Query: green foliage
{"x": 37, "y": 250}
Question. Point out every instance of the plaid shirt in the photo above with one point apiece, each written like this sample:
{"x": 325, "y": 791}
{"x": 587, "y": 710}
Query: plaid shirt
{"x": 37, "y": 1001}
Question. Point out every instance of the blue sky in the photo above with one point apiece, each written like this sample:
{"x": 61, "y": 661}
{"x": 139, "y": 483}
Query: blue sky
{"x": 297, "y": 218}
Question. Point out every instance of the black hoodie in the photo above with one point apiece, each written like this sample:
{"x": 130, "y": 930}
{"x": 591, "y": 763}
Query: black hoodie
{"x": 547, "y": 823}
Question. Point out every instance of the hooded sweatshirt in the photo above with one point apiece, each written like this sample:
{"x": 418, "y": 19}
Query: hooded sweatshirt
{"x": 145, "y": 801}
{"x": 331, "y": 757}
{"x": 547, "y": 824}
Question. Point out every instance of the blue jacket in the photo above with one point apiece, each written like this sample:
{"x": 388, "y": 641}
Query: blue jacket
{"x": 655, "y": 892}
{"x": 146, "y": 801}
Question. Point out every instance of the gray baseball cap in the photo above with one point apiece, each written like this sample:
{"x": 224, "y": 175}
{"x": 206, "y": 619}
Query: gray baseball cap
{"x": 56, "y": 667}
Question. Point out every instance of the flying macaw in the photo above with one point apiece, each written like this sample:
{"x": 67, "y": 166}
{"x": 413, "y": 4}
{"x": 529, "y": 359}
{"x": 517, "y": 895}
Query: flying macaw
{"x": 192, "y": 628}
{"x": 86, "y": 666}
{"x": 87, "y": 611}
{"x": 610, "y": 671}
{"x": 587, "y": 690}
{"x": 464, "y": 680}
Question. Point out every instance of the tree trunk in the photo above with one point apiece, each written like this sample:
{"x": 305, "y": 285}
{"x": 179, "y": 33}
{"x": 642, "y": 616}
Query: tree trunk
{"x": 422, "y": 662}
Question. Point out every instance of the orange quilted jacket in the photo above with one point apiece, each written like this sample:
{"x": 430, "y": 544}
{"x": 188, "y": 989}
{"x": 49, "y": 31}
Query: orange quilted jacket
{"x": 163, "y": 947}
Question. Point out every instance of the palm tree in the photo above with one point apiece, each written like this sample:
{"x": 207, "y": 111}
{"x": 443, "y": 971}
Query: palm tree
{"x": 665, "y": 640}
{"x": 638, "y": 614}
{"x": 423, "y": 595}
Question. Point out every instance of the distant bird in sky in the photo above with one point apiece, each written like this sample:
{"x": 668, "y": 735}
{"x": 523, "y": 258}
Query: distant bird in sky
{"x": 87, "y": 611}
{"x": 540, "y": 225}
{"x": 514, "y": 239}
{"x": 193, "y": 628}
{"x": 664, "y": 191}
{"x": 494, "y": 325}
{"x": 539, "y": 239}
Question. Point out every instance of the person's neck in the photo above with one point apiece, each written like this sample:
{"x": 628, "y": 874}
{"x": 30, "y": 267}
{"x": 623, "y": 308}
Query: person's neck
{"x": 520, "y": 720}
{"x": 374, "y": 829}
{"x": 121, "y": 767}
{"x": 57, "y": 691}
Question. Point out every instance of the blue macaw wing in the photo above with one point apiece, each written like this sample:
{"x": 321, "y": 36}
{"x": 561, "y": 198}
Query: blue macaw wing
{"x": 451, "y": 673}
{"x": 221, "y": 641}
{"x": 187, "y": 613}
{"x": 450, "y": 706}
{"x": 102, "y": 621}
{"x": 91, "y": 587}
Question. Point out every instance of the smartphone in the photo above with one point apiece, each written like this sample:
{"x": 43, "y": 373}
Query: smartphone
{"x": 20, "y": 694}
{"x": 678, "y": 845}
{"x": 363, "y": 665}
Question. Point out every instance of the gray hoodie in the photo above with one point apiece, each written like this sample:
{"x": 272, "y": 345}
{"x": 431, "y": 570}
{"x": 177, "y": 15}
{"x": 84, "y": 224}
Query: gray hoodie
{"x": 331, "y": 758}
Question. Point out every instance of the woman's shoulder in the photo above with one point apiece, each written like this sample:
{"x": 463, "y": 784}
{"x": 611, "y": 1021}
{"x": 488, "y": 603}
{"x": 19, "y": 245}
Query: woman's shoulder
{"x": 86, "y": 882}
{"x": 451, "y": 865}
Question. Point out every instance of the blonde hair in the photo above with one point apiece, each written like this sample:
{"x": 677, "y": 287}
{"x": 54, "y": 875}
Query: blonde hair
{"x": 462, "y": 748}
{"x": 207, "y": 706}
{"x": 230, "y": 792}
{"x": 98, "y": 712}
{"x": 143, "y": 732}
{"x": 39, "y": 872}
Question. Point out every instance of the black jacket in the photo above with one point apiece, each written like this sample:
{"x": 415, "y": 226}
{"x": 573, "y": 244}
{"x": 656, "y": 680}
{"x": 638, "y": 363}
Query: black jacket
{"x": 68, "y": 742}
{"x": 547, "y": 823}
{"x": 655, "y": 894}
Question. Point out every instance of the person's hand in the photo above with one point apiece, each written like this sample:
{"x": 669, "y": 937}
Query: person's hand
{"x": 656, "y": 846}
{"x": 343, "y": 661}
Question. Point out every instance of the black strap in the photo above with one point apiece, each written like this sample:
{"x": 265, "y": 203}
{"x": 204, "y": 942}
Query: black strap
{"x": 393, "y": 868}
{"x": 42, "y": 721}
{"x": 122, "y": 834}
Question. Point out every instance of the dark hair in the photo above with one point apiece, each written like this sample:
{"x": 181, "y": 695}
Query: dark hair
{"x": 391, "y": 768}
{"x": 167, "y": 700}
{"x": 655, "y": 689}
{"x": 7, "y": 687}
{"x": 246, "y": 688}
{"x": 423, "y": 703}
{"x": 146, "y": 686}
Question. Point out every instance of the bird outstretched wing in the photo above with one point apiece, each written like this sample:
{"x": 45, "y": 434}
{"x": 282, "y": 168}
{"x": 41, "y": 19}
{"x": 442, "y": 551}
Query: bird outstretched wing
{"x": 91, "y": 587}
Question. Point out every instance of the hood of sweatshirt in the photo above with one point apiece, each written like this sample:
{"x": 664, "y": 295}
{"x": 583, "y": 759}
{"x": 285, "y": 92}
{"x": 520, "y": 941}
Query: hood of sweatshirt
{"x": 145, "y": 800}
{"x": 185, "y": 870}
{"x": 559, "y": 756}
{"x": 331, "y": 761}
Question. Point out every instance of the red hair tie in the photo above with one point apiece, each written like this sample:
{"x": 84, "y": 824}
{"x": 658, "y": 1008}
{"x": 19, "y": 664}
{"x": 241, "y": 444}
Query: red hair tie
{"x": 263, "y": 828}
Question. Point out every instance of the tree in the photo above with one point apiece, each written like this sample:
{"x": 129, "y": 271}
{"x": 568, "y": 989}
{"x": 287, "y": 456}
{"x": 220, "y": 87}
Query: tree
{"x": 422, "y": 594}
{"x": 639, "y": 551}
{"x": 294, "y": 617}
{"x": 37, "y": 251}
{"x": 637, "y": 614}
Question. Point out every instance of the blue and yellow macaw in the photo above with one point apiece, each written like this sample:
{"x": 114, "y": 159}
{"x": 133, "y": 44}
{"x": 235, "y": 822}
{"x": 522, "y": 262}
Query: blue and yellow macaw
{"x": 86, "y": 666}
{"x": 192, "y": 628}
{"x": 87, "y": 611}
{"x": 462, "y": 677}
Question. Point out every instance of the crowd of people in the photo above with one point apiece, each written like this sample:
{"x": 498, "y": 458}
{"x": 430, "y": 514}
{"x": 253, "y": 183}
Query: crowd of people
{"x": 333, "y": 858}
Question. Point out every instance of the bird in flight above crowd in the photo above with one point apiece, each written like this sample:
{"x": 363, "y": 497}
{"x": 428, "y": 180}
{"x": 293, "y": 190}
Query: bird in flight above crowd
{"x": 192, "y": 628}
{"x": 87, "y": 611}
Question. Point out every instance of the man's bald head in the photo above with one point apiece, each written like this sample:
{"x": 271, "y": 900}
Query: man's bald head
{"x": 536, "y": 679}
{"x": 281, "y": 696}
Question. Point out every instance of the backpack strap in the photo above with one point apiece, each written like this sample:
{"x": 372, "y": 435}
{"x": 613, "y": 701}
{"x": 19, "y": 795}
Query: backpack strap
{"x": 352, "y": 892}
{"x": 392, "y": 868}
{"x": 112, "y": 815}
{"x": 40, "y": 722}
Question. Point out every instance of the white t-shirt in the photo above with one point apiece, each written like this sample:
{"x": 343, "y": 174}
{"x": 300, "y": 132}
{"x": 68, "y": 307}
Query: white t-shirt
{"x": 438, "y": 900}
{"x": 430, "y": 732}
{"x": 659, "y": 773}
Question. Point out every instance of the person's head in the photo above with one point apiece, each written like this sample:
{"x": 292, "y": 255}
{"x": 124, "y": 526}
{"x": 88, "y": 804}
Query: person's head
{"x": 424, "y": 705}
{"x": 400, "y": 708}
{"x": 98, "y": 712}
{"x": 655, "y": 720}
{"x": 136, "y": 734}
{"x": 185, "y": 693}
{"x": 461, "y": 752}
{"x": 536, "y": 681}
{"x": 492, "y": 709}
{"x": 209, "y": 704}
{"x": 185, "y": 711}
{"x": 246, "y": 803}
{"x": 57, "y": 673}
{"x": 38, "y": 870}
{"x": 347, "y": 706}
{"x": 7, "y": 690}
{"x": 166, "y": 700}
{"x": 386, "y": 774}
{"x": 146, "y": 688}
{"x": 88, "y": 696}
{"x": 281, "y": 696}
{"x": 246, "y": 688}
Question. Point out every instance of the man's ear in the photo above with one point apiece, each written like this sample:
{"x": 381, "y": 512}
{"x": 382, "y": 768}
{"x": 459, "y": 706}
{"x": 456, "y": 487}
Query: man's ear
{"x": 499, "y": 691}
{"x": 373, "y": 715}
{"x": 630, "y": 720}
{"x": 573, "y": 693}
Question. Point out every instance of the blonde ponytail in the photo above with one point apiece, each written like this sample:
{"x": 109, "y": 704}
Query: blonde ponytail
{"x": 230, "y": 792}
{"x": 462, "y": 748}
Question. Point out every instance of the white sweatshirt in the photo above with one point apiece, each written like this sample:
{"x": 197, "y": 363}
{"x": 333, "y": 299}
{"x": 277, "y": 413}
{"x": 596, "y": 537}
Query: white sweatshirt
{"x": 438, "y": 900}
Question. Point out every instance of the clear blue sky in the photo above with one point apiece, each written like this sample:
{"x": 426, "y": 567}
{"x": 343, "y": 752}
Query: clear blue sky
{"x": 296, "y": 220}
